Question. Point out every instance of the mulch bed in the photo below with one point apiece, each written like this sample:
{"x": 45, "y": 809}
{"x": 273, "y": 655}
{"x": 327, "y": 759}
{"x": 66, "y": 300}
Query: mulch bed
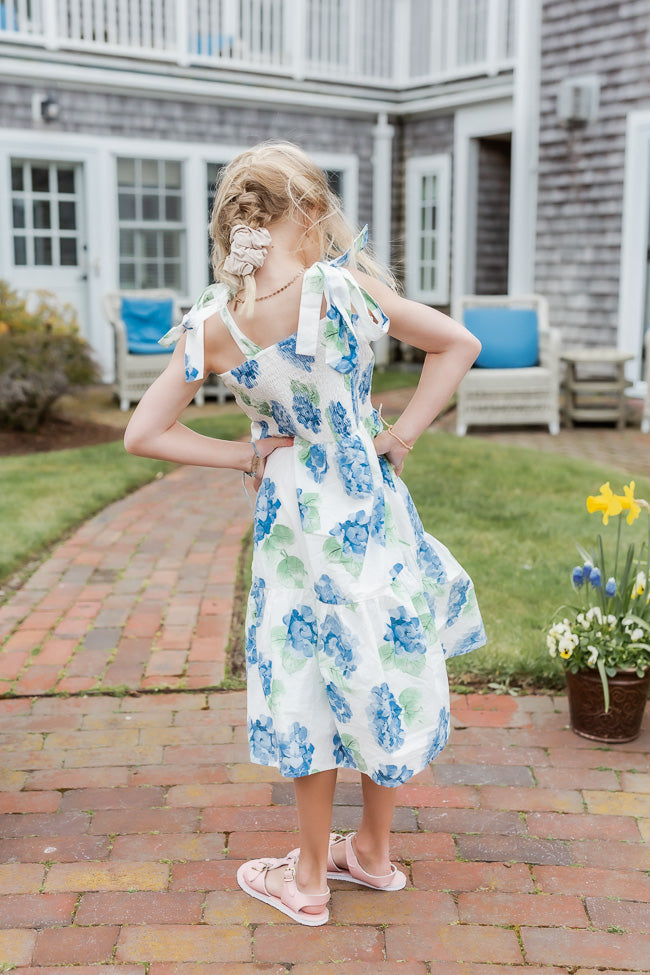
{"x": 57, "y": 433}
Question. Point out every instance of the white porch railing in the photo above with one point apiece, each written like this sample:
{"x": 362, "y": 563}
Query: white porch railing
{"x": 389, "y": 43}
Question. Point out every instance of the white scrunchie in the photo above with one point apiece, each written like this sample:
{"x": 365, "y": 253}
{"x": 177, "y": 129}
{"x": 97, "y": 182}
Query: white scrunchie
{"x": 248, "y": 249}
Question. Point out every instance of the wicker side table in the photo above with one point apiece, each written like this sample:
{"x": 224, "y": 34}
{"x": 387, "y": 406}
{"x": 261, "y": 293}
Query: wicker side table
{"x": 595, "y": 385}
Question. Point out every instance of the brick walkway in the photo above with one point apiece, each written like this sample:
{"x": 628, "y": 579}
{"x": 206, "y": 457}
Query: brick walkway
{"x": 123, "y": 818}
{"x": 124, "y": 821}
{"x": 139, "y": 597}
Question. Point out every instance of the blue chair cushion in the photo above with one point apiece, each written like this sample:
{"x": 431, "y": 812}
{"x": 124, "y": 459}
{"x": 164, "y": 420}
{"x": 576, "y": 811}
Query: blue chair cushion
{"x": 509, "y": 336}
{"x": 146, "y": 320}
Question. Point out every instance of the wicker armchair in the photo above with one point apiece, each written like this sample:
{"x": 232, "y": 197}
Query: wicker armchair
{"x": 505, "y": 397}
{"x": 645, "y": 419}
{"x": 135, "y": 373}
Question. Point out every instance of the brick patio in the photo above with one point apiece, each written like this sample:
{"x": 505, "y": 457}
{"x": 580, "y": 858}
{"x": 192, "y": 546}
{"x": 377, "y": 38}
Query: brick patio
{"x": 124, "y": 815}
{"x": 124, "y": 820}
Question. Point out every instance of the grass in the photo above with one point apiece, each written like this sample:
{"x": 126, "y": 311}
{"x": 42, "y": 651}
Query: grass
{"x": 512, "y": 517}
{"x": 46, "y": 495}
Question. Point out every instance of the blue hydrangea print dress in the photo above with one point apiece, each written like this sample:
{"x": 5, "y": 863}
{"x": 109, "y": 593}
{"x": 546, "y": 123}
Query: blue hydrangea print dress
{"x": 353, "y": 606}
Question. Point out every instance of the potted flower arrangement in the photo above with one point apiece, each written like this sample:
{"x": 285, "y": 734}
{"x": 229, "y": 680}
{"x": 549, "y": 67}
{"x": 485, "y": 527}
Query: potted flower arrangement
{"x": 603, "y": 640}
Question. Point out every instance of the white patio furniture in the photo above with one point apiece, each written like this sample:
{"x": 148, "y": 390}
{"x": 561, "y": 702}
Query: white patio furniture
{"x": 135, "y": 373}
{"x": 527, "y": 395}
{"x": 645, "y": 419}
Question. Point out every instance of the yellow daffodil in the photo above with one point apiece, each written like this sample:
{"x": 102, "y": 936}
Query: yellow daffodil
{"x": 629, "y": 503}
{"x": 607, "y": 502}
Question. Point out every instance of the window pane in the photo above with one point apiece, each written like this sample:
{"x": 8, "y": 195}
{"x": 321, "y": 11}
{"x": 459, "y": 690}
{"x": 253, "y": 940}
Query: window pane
{"x": 68, "y": 251}
{"x": 149, "y": 276}
{"x": 171, "y": 244}
{"x": 335, "y": 180}
{"x": 65, "y": 179}
{"x": 150, "y": 243}
{"x": 150, "y": 172}
{"x": 41, "y": 214}
{"x": 173, "y": 175}
{"x": 17, "y": 179}
{"x": 126, "y": 206}
{"x": 173, "y": 208}
{"x": 127, "y": 275}
{"x": 127, "y": 243}
{"x": 172, "y": 276}
{"x": 43, "y": 251}
{"x": 20, "y": 251}
{"x": 150, "y": 208}
{"x": 67, "y": 215}
{"x": 19, "y": 213}
{"x": 126, "y": 172}
{"x": 40, "y": 179}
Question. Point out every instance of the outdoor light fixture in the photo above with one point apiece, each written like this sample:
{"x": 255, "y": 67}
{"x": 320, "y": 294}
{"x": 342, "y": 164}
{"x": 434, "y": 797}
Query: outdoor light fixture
{"x": 45, "y": 107}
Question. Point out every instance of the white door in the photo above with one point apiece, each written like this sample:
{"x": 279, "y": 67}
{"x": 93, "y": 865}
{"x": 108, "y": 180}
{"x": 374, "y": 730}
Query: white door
{"x": 48, "y": 241}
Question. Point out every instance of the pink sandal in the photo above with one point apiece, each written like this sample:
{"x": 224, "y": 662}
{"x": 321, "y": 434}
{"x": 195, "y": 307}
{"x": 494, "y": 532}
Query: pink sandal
{"x": 355, "y": 874}
{"x": 251, "y": 877}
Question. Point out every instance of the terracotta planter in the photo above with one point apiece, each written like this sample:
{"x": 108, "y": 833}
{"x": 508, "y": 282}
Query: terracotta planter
{"x": 627, "y": 699}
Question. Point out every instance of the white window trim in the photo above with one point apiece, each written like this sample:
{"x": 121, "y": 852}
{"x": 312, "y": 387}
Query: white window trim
{"x": 439, "y": 166}
{"x": 634, "y": 243}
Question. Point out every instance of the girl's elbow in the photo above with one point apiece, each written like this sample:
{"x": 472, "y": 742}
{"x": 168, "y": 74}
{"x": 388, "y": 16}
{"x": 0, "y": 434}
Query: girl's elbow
{"x": 134, "y": 442}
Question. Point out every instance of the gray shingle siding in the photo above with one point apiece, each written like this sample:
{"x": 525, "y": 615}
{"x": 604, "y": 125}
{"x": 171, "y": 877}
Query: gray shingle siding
{"x": 110, "y": 114}
{"x": 492, "y": 218}
{"x": 580, "y": 191}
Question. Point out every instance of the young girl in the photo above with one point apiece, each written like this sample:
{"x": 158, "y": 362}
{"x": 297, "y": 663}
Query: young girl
{"x": 353, "y": 607}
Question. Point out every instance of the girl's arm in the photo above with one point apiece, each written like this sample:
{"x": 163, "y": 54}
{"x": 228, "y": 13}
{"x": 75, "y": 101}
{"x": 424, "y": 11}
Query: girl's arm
{"x": 154, "y": 430}
{"x": 450, "y": 351}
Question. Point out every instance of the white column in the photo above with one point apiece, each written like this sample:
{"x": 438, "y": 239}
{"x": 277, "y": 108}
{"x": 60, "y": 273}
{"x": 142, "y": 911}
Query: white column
{"x": 50, "y": 25}
{"x": 402, "y": 41}
{"x": 295, "y": 18}
{"x": 382, "y": 193}
{"x": 525, "y": 147}
{"x": 182, "y": 33}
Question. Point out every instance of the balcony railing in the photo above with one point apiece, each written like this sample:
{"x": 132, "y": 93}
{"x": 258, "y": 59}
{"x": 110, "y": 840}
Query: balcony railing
{"x": 388, "y": 43}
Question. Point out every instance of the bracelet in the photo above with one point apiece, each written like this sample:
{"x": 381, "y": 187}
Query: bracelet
{"x": 256, "y": 461}
{"x": 389, "y": 429}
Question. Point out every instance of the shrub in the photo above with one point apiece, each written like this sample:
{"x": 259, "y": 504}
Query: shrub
{"x": 42, "y": 356}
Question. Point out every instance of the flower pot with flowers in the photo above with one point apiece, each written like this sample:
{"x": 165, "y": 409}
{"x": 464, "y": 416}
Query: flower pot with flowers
{"x": 603, "y": 640}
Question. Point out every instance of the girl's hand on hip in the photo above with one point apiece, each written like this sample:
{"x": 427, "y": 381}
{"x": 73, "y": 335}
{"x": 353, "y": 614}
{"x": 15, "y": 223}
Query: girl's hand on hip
{"x": 265, "y": 448}
{"x": 386, "y": 446}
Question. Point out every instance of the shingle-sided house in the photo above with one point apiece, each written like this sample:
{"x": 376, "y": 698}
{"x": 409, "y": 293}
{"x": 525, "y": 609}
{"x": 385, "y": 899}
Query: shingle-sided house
{"x": 492, "y": 145}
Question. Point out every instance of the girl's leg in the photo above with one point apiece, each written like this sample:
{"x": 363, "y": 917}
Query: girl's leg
{"x": 314, "y": 798}
{"x": 372, "y": 842}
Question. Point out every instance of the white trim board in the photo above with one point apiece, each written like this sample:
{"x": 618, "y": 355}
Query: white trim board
{"x": 634, "y": 243}
{"x": 470, "y": 124}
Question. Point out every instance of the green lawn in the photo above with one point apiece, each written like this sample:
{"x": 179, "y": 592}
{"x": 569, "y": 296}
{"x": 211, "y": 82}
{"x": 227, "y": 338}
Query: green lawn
{"x": 510, "y": 516}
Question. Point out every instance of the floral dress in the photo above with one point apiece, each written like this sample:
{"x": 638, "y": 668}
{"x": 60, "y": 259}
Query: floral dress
{"x": 353, "y": 606}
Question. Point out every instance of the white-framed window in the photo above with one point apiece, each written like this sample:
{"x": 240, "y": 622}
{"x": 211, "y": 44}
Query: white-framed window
{"x": 45, "y": 204}
{"x": 151, "y": 223}
{"x": 427, "y": 228}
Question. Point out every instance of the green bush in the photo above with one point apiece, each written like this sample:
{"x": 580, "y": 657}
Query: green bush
{"x": 42, "y": 356}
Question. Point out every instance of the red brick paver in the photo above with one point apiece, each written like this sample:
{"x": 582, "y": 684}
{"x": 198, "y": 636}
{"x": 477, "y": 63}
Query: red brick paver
{"x": 135, "y": 597}
{"x": 111, "y": 878}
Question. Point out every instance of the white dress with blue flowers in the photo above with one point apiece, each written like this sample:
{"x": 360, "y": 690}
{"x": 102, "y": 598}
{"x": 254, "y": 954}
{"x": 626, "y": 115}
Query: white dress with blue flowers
{"x": 353, "y": 607}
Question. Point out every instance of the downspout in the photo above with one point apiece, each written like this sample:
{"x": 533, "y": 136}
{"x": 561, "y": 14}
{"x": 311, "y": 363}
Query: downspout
{"x": 382, "y": 193}
{"x": 525, "y": 147}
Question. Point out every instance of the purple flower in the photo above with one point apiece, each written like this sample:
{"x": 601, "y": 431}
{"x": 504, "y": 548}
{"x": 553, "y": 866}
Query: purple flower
{"x": 578, "y": 576}
{"x": 610, "y": 586}
{"x": 586, "y": 571}
{"x": 595, "y": 578}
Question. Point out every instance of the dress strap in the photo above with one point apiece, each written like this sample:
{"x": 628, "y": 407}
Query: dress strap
{"x": 245, "y": 345}
{"x": 212, "y": 299}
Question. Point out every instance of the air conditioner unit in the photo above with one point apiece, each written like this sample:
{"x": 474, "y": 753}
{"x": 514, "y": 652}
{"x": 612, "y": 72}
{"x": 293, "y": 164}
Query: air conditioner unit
{"x": 577, "y": 100}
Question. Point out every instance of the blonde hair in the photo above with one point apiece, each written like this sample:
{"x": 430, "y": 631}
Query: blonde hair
{"x": 273, "y": 180}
